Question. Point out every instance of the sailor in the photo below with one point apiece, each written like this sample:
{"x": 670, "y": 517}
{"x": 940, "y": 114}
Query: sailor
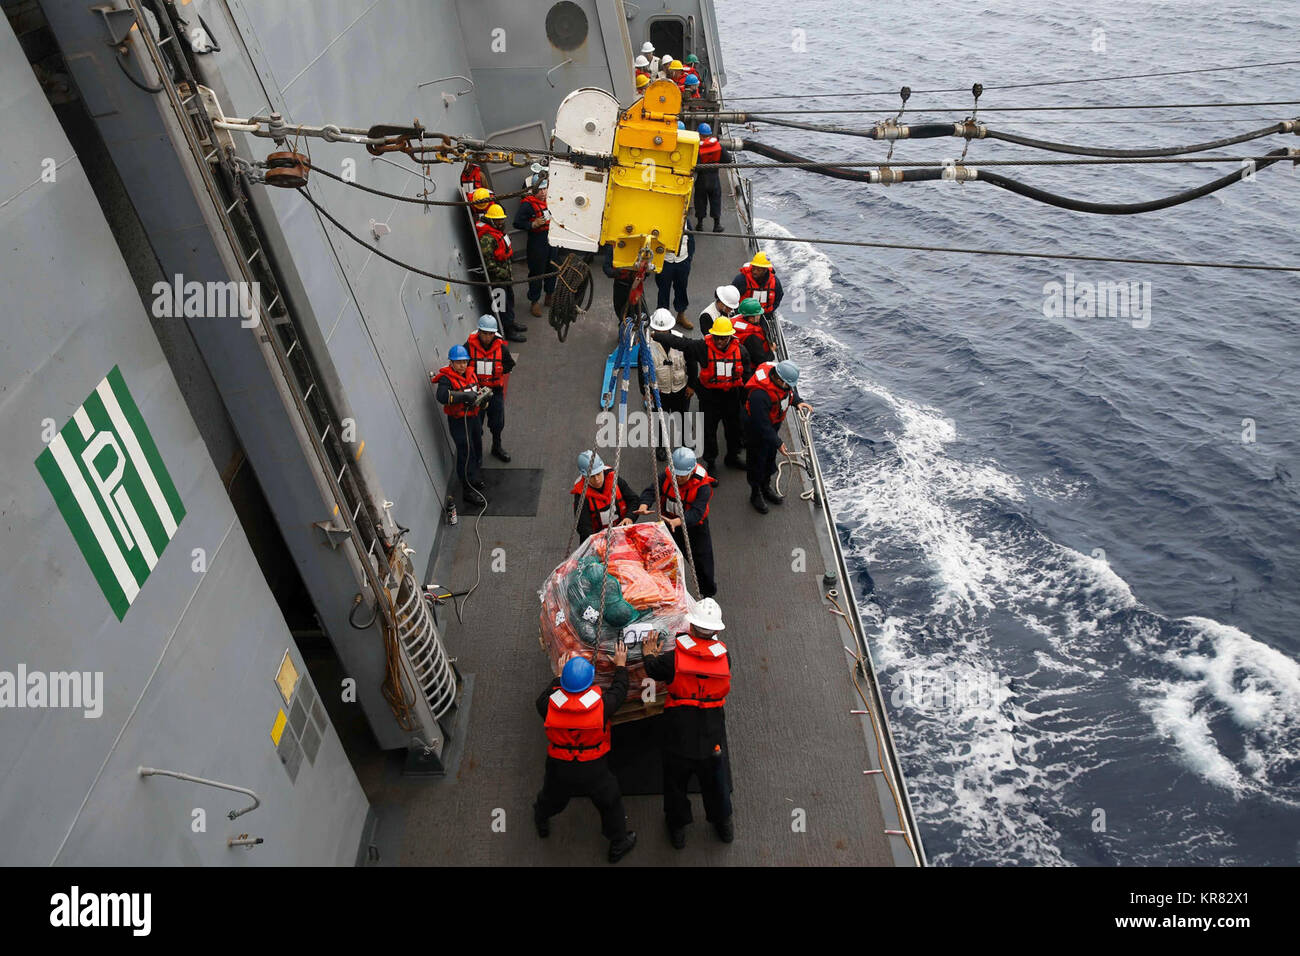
{"x": 725, "y": 300}
{"x": 461, "y": 397}
{"x": 652, "y": 64}
{"x": 496, "y": 249}
{"x": 609, "y": 499}
{"x": 698, "y": 674}
{"x": 471, "y": 178}
{"x": 641, "y": 66}
{"x": 674, "y": 276}
{"x": 751, "y": 332}
{"x": 769, "y": 393}
{"x": 672, "y": 372}
{"x": 480, "y": 200}
{"x": 692, "y": 64}
{"x": 577, "y": 725}
{"x": 690, "y": 86}
{"x": 642, "y": 81}
{"x": 708, "y": 185}
{"x": 685, "y": 491}
{"x": 534, "y": 219}
{"x": 758, "y": 279}
{"x": 722, "y": 367}
{"x": 492, "y": 363}
{"x": 677, "y": 73}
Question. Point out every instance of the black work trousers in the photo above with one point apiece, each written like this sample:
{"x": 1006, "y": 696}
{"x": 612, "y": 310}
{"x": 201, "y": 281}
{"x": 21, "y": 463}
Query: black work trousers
{"x": 720, "y": 405}
{"x": 760, "y": 462}
{"x": 467, "y": 435}
{"x": 708, "y": 196}
{"x": 495, "y": 417}
{"x": 566, "y": 779}
{"x": 701, "y": 541}
{"x": 538, "y": 254}
{"x": 714, "y": 788}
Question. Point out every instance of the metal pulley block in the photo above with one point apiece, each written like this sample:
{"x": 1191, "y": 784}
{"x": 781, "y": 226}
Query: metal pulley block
{"x": 286, "y": 169}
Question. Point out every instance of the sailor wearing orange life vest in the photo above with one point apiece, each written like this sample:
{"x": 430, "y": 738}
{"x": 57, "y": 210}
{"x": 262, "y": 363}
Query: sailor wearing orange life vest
{"x": 495, "y": 246}
{"x": 708, "y": 184}
{"x": 461, "y": 396}
{"x": 471, "y": 178}
{"x": 609, "y": 499}
{"x": 492, "y": 362}
{"x": 721, "y": 368}
{"x": 479, "y": 201}
{"x": 685, "y": 491}
{"x": 534, "y": 220}
{"x": 769, "y": 393}
{"x": 577, "y": 725}
{"x": 698, "y": 674}
{"x": 757, "y": 279}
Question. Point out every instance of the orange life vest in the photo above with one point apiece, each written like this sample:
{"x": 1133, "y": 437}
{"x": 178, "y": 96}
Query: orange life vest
{"x": 697, "y": 480}
{"x": 746, "y": 330}
{"x": 765, "y": 294}
{"x": 488, "y": 361}
{"x": 457, "y": 383}
{"x": 575, "y": 725}
{"x": 710, "y": 149}
{"x": 538, "y": 205}
{"x": 762, "y": 380}
{"x": 701, "y": 675}
{"x": 501, "y": 250}
{"x": 722, "y": 370}
{"x": 471, "y": 177}
{"x": 606, "y": 504}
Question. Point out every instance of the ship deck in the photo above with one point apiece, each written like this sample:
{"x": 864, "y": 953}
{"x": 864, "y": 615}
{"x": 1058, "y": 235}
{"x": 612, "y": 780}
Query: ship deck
{"x": 794, "y": 744}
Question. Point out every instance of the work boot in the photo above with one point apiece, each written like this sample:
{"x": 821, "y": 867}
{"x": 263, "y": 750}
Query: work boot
{"x": 514, "y": 335}
{"x": 756, "y": 499}
{"x": 621, "y": 848}
{"x": 478, "y": 483}
{"x": 535, "y": 310}
{"x": 472, "y": 497}
{"x": 543, "y": 826}
{"x": 770, "y": 494}
{"x": 726, "y": 830}
{"x": 499, "y": 452}
{"x": 677, "y": 837}
{"x": 547, "y": 299}
{"x": 699, "y": 224}
{"x": 717, "y": 226}
{"x": 520, "y": 327}
{"x": 683, "y": 321}
{"x": 734, "y": 461}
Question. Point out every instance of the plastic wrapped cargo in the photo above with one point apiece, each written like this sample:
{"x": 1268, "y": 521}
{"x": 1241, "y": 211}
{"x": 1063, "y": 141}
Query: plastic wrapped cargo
{"x": 644, "y": 584}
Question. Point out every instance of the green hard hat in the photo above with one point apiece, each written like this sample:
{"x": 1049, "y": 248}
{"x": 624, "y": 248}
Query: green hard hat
{"x": 692, "y": 58}
{"x": 750, "y": 307}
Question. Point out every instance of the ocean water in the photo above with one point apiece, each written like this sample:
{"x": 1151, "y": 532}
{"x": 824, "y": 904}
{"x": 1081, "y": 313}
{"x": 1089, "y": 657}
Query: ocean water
{"x": 1076, "y": 539}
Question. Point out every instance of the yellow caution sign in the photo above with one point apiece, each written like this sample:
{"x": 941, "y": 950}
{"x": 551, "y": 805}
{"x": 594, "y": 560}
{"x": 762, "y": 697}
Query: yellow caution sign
{"x": 650, "y": 184}
{"x": 277, "y": 729}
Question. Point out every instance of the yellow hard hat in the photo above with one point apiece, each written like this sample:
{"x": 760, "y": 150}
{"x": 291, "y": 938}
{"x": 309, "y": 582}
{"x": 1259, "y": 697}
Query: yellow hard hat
{"x": 760, "y": 261}
{"x": 642, "y": 81}
{"x": 722, "y": 326}
{"x": 495, "y": 211}
{"x": 676, "y": 65}
{"x": 481, "y": 194}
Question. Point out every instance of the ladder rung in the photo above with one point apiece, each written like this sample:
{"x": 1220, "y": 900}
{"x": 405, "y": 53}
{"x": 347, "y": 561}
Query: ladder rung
{"x": 325, "y": 433}
{"x": 291, "y": 348}
{"x": 342, "y": 471}
{"x": 356, "y": 511}
{"x": 231, "y": 206}
{"x": 164, "y": 42}
{"x": 256, "y": 252}
{"x": 307, "y": 394}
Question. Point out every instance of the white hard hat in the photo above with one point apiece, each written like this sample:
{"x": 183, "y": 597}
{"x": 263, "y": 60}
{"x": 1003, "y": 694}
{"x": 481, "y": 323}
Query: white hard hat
{"x": 707, "y": 616}
{"x": 647, "y": 47}
{"x": 641, "y": 61}
{"x": 662, "y": 320}
{"x": 728, "y": 295}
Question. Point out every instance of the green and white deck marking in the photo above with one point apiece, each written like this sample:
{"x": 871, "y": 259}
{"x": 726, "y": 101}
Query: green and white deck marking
{"x": 113, "y": 490}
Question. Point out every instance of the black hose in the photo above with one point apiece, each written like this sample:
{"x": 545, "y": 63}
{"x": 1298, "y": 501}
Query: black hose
{"x": 919, "y": 131}
{"x": 1159, "y": 151}
{"x": 1127, "y": 209}
{"x": 838, "y": 172}
{"x": 127, "y": 73}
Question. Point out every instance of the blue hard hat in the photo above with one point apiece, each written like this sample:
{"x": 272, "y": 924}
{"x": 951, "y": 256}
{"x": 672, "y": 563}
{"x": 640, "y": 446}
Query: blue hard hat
{"x": 589, "y": 463}
{"x": 683, "y": 462}
{"x": 458, "y": 353}
{"x": 704, "y": 129}
{"x": 788, "y": 371}
{"x": 681, "y": 125}
{"x": 487, "y": 323}
{"x": 577, "y": 675}
{"x": 692, "y": 79}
